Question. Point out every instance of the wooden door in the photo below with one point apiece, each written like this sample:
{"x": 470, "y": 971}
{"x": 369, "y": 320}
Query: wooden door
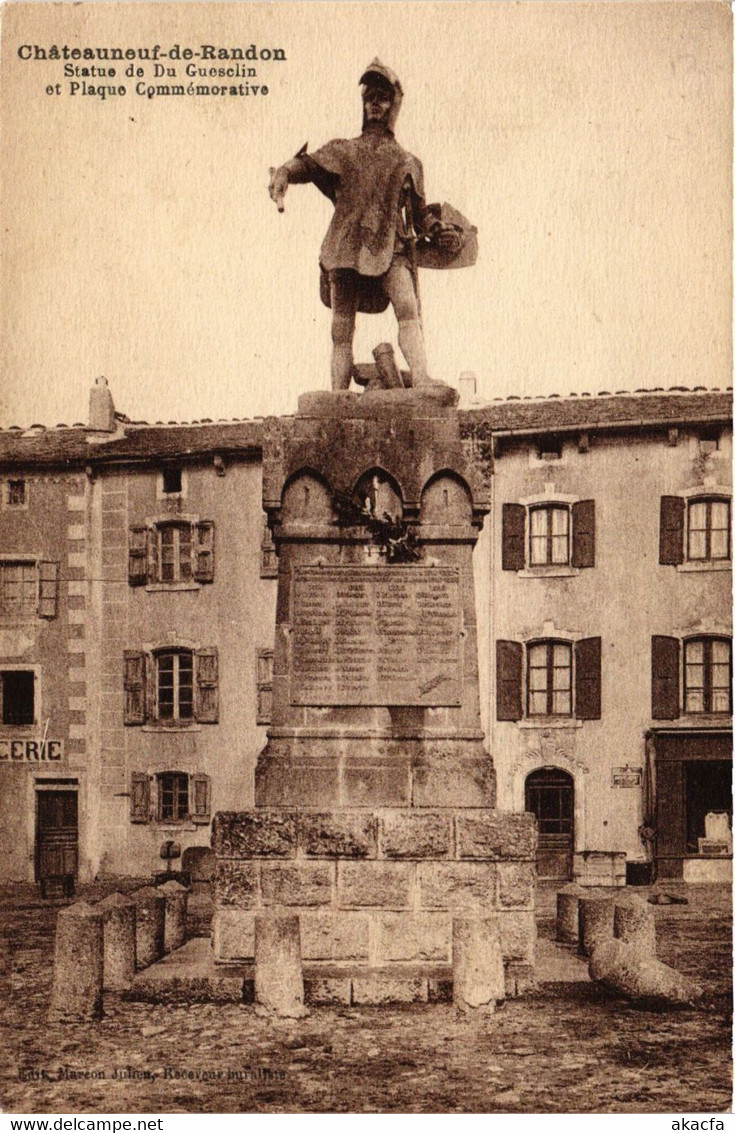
{"x": 57, "y": 835}
{"x": 550, "y": 797}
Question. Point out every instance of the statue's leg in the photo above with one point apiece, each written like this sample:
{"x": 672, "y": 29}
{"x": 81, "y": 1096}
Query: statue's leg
{"x": 398, "y": 286}
{"x": 343, "y": 293}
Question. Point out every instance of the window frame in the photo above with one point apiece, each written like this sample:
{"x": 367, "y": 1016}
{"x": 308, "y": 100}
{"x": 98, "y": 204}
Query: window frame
{"x": 708, "y": 500}
{"x": 22, "y": 614}
{"x": 10, "y": 504}
{"x": 175, "y": 526}
{"x": 707, "y": 664}
{"x": 176, "y": 720}
{"x": 547, "y": 508}
{"x": 550, "y": 689}
{"x": 32, "y": 671}
{"x": 178, "y": 778}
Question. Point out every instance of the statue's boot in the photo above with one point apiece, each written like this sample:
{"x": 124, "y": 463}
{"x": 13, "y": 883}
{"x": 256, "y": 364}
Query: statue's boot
{"x": 411, "y": 342}
{"x": 341, "y": 365}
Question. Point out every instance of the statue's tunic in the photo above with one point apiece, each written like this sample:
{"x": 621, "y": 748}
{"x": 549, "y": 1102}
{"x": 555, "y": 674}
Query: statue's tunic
{"x": 368, "y": 179}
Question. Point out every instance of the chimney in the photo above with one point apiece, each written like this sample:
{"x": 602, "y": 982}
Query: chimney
{"x": 101, "y": 407}
{"x": 467, "y": 389}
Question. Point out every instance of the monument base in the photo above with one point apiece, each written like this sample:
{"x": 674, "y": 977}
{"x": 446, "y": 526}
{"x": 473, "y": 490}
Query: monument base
{"x": 375, "y": 889}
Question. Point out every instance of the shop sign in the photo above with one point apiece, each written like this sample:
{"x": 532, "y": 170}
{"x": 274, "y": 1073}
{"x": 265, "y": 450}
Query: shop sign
{"x": 31, "y": 751}
{"x": 627, "y": 776}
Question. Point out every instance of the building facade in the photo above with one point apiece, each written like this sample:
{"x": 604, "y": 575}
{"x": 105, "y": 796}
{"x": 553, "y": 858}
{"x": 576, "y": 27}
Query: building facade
{"x": 137, "y": 612}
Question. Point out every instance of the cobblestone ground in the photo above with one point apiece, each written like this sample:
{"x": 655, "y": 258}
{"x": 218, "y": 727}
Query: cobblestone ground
{"x": 566, "y": 1048}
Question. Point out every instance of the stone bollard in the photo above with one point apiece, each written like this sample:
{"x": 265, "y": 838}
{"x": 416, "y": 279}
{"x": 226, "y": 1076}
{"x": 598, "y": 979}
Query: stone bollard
{"x": 150, "y": 913}
{"x": 595, "y": 922}
{"x": 76, "y": 995}
{"x": 567, "y": 914}
{"x": 634, "y": 924}
{"x": 177, "y": 897}
{"x": 118, "y": 925}
{"x": 279, "y": 982}
{"x": 477, "y": 964}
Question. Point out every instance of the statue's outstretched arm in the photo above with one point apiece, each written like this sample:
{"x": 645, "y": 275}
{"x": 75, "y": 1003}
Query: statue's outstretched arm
{"x": 293, "y": 172}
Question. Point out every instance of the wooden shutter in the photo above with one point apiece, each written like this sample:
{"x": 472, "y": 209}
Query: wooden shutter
{"x": 48, "y": 585}
{"x": 664, "y": 678}
{"x": 588, "y": 678}
{"x": 207, "y": 686}
{"x": 134, "y": 687}
{"x": 265, "y": 686}
{"x": 137, "y": 555}
{"x": 152, "y": 569}
{"x": 514, "y": 537}
{"x": 509, "y": 680}
{"x": 139, "y": 797}
{"x": 671, "y": 533}
{"x": 203, "y": 549}
{"x": 199, "y": 799}
{"x": 583, "y": 534}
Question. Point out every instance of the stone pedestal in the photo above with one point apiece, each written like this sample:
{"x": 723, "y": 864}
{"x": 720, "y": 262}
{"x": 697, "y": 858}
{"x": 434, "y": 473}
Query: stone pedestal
{"x": 374, "y": 817}
{"x": 76, "y": 995}
{"x": 118, "y": 914}
{"x": 177, "y": 899}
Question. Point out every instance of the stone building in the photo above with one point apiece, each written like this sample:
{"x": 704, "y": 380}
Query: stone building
{"x": 137, "y": 606}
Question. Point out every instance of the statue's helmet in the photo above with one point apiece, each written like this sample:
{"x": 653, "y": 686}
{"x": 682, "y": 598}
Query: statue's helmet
{"x": 378, "y": 75}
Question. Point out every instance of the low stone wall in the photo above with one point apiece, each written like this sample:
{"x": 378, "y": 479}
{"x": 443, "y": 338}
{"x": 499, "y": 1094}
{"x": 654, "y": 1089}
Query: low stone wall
{"x": 376, "y": 888}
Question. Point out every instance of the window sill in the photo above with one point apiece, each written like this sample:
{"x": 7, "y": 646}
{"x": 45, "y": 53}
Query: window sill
{"x": 543, "y": 722}
{"x": 155, "y": 587}
{"x": 18, "y": 729}
{"x": 175, "y": 727}
{"x": 700, "y": 720}
{"x": 709, "y": 565}
{"x": 548, "y": 572}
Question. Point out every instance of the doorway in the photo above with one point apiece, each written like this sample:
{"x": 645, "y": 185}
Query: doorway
{"x": 550, "y": 797}
{"x": 57, "y": 838}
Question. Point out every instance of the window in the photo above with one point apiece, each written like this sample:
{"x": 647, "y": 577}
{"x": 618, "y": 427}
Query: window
{"x": 549, "y": 684}
{"x": 171, "y": 553}
{"x": 264, "y": 686}
{"x": 16, "y": 493}
{"x": 550, "y": 447}
{"x": 705, "y": 676}
{"x": 694, "y": 530}
{"x": 17, "y": 695}
{"x": 170, "y": 796}
{"x": 708, "y": 529}
{"x": 549, "y": 678}
{"x": 173, "y": 796}
{"x": 175, "y": 686}
{"x": 28, "y": 589}
{"x": 171, "y": 687}
{"x": 548, "y": 534}
{"x": 171, "y": 481}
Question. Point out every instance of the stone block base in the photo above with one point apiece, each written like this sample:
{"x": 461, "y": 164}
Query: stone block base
{"x": 378, "y": 888}
{"x": 604, "y": 868}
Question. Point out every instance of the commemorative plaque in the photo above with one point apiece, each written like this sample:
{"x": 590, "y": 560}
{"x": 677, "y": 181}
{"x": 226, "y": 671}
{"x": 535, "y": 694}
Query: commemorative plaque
{"x": 382, "y": 636}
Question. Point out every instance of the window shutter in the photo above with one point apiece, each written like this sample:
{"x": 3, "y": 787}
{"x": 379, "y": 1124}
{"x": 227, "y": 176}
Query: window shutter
{"x": 204, "y": 551}
{"x": 134, "y": 687}
{"x": 583, "y": 533}
{"x": 588, "y": 678}
{"x": 265, "y": 686}
{"x": 48, "y": 585}
{"x": 199, "y": 798}
{"x": 152, "y": 571}
{"x": 137, "y": 556}
{"x": 514, "y": 537}
{"x": 207, "y": 686}
{"x": 139, "y": 797}
{"x": 509, "y": 679}
{"x": 664, "y": 678}
{"x": 671, "y": 534}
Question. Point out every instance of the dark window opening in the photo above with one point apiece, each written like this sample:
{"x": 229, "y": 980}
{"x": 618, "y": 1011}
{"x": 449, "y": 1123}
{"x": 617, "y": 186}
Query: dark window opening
{"x": 17, "y": 687}
{"x": 708, "y": 790}
{"x": 16, "y": 493}
{"x": 550, "y": 447}
{"x": 709, "y": 440}
{"x": 171, "y": 481}
{"x": 173, "y": 796}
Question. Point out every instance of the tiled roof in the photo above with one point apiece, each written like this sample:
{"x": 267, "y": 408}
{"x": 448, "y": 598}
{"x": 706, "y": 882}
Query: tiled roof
{"x": 139, "y": 441}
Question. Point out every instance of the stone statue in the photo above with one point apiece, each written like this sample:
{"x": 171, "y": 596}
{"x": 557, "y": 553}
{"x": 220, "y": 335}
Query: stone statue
{"x": 381, "y": 232}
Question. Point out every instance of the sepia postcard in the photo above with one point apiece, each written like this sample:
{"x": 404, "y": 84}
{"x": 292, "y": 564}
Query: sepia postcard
{"x": 365, "y": 559}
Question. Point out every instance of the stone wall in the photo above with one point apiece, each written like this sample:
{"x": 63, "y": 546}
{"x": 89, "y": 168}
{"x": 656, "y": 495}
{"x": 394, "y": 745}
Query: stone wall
{"x": 375, "y": 888}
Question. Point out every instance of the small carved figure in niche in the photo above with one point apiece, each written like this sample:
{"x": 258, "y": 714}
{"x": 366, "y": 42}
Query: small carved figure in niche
{"x": 382, "y": 231}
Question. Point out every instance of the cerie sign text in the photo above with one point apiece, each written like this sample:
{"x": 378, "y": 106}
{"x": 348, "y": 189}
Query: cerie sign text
{"x": 31, "y": 751}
